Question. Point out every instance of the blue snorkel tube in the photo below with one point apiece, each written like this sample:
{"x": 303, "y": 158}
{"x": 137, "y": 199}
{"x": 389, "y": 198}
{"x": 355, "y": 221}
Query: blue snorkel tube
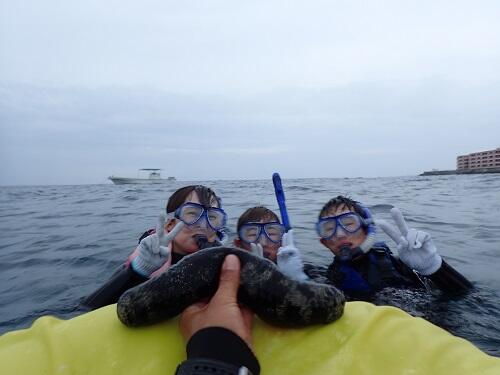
{"x": 280, "y": 197}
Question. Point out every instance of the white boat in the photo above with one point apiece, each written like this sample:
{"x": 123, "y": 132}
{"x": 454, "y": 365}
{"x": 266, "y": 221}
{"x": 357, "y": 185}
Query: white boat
{"x": 153, "y": 178}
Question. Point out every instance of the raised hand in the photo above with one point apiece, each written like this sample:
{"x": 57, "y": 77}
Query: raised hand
{"x": 416, "y": 248}
{"x": 154, "y": 250}
{"x": 223, "y": 309}
{"x": 289, "y": 260}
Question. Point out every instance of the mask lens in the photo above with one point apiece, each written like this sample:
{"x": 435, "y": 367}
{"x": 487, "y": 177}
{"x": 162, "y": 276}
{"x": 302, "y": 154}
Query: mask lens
{"x": 274, "y": 232}
{"x": 350, "y": 222}
{"x": 327, "y": 227}
{"x": 216, "y": 218}
{"x": 189, "y": 213}
{"x": 249, "y": 233}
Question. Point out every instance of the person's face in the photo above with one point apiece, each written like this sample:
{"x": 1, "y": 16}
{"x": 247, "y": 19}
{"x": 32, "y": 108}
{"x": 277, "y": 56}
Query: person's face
{"x": 270, "y": 248}
{"x": 341, "y": 237}
{"x": 185, "y": 241}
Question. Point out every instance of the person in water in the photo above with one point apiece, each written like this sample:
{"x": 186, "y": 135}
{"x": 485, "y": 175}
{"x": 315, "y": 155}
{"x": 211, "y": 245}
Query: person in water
{"x": 194, "y": 220}
{"x": 218, "y": 334}
{"x": 362, "y": 267}
{"x": 261, "y": 232}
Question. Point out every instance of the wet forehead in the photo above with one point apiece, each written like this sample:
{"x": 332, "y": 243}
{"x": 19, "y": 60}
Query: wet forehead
{"x": 335, "y": 211}
{"x": 267, "y": 219}
{"x": 263, "y": 218}
{"x": 193, "y": 198}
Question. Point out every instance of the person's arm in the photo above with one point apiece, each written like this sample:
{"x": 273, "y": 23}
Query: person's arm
{"x": 449, "y": 280}
{"x": 152, "y": 254}
{"x": 418, "y": 252}
{"x": 446, "y": 278}
{"x": 218, "y": 333}
{"x": 122, "y": 280}
{"x": 215, "y": 348}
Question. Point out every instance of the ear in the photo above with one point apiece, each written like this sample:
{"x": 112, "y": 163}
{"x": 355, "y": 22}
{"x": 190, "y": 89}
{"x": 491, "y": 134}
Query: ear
{"x": 237, "y": 242}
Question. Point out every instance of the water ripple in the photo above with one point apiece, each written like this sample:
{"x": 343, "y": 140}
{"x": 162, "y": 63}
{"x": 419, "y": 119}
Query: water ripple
{"x": 60, "y": 243}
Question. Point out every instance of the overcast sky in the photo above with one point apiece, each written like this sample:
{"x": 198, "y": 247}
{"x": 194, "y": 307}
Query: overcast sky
{"x": 236, "y": 90}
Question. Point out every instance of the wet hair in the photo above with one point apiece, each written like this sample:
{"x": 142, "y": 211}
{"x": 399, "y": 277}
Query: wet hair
{"x": 340, "y": 201}
{"x": 205, "y": 195}
{"x": 256, "y": 214}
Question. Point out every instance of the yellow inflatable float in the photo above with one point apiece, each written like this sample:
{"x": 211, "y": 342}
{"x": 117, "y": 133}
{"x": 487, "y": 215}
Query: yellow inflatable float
{"x": 367, "y": 339}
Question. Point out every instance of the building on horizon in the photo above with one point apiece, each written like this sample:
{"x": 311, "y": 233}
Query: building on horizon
{"x": 479, "y": 160}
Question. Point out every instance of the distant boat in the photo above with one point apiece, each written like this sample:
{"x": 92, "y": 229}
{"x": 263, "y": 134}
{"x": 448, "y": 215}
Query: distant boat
{"x": 153, "y": 178}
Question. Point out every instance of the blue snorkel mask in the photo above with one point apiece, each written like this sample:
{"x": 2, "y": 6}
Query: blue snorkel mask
{"x": 254, "y": 232}
{"x": 214, "y": 218}
{"x": 349, "y": 222}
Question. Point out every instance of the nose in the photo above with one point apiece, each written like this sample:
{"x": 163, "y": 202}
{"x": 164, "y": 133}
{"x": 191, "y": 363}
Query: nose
{"x": 202, "y": 223}
{"x": 263, "y": 240}
{"x": 340, "y": 232}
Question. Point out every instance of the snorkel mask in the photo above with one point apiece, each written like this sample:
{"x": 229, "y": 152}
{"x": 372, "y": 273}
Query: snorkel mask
{"x": 207, "y": 218}
{"x": 350, "y": 223}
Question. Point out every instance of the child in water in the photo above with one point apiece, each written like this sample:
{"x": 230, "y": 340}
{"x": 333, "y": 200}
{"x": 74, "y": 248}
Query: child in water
{"x": 261, "y": 232}
{"x": 194, "y": 220}
{"x": 362, "y": 267}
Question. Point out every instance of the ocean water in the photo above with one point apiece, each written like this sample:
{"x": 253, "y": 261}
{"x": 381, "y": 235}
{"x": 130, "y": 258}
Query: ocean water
{"x": 59, "y": 243}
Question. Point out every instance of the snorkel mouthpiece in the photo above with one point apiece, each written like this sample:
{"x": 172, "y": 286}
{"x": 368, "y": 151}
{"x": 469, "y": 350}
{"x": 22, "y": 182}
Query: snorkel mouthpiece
{"x": 348, "y": 254}
{"x": 345, "y": 254}
{"x": 203, "y": 243}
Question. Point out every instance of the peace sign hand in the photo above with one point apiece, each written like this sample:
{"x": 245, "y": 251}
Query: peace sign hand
{"x": 154, "y": 250}
{"x": 289, "y": 260}
{"x": 416, "y": 248}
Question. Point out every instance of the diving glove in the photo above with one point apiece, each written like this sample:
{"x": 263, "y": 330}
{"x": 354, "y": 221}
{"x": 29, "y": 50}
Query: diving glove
{"x": 415, "y": 247}
{"x": 289, "y": 260}
{"x": 154, "y": 250}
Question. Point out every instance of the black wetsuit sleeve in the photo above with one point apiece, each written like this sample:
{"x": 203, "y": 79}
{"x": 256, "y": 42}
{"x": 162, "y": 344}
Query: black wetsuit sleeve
{"x": 123, "y": 279}
{"x": 315, "y": 273}
{"x": 217, "y": 350}
{"x": 450, "y": 280}
{"x": 446, "y": 278}
{"x": 406, "y": 271}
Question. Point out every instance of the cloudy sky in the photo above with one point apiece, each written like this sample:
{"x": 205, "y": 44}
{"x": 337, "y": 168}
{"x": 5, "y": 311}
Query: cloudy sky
{"x": 219, "y": 89}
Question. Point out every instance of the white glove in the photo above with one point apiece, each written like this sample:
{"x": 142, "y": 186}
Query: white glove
{"x": 416, "y": 248}
{"x": 154, "y": 250}
{"x": 289, "y": 260}
{"x": 256, "y": 249}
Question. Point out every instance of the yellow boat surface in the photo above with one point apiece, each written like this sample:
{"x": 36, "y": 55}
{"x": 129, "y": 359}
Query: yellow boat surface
{"x": 367, "y": 339}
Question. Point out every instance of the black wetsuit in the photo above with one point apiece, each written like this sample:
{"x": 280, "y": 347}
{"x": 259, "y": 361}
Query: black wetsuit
{"x": 216, "y": 350}
{"x": 377, "y": 269}
{"x": 125, "y": 278}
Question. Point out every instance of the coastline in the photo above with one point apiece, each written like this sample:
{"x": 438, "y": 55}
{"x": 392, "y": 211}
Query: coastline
{"x": 461, "y": 171}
